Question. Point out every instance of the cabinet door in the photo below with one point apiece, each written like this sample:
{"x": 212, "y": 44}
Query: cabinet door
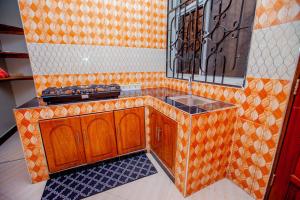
{"x": 130, "y": 125}
{"x": 63, "y": 143}
{"x": 155, "y": 127}
{"x": 99, "y": 136}
{"x": 168, "y": 138}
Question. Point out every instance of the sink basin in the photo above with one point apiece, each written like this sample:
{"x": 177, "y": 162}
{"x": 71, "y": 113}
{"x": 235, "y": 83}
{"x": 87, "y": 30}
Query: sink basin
{"x": 191, "y": 100}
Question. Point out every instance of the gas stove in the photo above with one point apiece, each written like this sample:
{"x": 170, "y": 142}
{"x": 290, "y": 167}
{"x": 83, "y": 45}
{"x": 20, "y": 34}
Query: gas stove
{"x": 55, "y": 95}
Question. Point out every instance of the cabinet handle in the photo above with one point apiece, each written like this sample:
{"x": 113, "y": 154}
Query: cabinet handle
{"x": 158, "y": 134}
{"x": 85, "y": 136}
{"x": 78, "y": 139}
{"x": 117, "y": 130}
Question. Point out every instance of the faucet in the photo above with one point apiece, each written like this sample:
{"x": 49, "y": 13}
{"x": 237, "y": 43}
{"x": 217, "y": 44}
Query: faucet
{"x": 190, "y": 86}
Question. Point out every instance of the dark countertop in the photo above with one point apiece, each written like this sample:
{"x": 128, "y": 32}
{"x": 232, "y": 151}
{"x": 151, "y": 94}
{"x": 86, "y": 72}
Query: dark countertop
{"x": 160, "y": 93}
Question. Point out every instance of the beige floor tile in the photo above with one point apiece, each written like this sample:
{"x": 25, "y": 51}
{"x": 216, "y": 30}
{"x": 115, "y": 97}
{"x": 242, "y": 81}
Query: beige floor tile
{"x": 221, "y": 190}
{"x": 104, "y": 196}
{"x": 15, "y": 185}
{"x": 11, "y": 149}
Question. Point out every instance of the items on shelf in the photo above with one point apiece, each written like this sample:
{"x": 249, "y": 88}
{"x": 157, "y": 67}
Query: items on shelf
{"x": 3, "y": 73}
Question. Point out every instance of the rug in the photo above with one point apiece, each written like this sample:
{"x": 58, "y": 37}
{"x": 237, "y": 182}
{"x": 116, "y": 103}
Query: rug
{"x": 98, "y": 178}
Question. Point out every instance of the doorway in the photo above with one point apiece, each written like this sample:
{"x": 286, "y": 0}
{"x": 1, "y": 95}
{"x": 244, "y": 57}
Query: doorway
{"x": 285, "y": 179}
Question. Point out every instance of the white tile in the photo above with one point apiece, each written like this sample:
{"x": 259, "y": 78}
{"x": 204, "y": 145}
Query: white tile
{"x": 11, "y": 149}
{"x": 81, "y": 59}
{"x": 274, "y": 51}
{"x": 221, "y": 190}
{"x": 104, "y": 196}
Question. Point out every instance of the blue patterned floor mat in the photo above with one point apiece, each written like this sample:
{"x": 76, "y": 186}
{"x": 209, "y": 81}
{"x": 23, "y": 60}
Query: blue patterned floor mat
{"x": 98, "y": 178}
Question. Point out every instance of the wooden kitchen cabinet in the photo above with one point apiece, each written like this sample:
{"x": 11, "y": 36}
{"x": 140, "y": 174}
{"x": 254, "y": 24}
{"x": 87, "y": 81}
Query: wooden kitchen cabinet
{"x": 130, "y": 129}
{"x": 99, "y": 136}
{"x": 163, "y": 133}
{"x": 72, "y": 141}
{"x": 63, "y": 143}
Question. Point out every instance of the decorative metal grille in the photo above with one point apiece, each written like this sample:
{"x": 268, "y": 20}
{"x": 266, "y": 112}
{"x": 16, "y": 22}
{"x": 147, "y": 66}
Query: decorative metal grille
{"x": 209, "y": 40}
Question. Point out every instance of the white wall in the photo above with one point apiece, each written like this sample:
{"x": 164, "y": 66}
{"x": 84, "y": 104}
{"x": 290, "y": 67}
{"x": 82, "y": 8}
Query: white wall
{"x": 23, "y": 91}
{"x": 7, "y": 103}
{"x": 17, "y": 92}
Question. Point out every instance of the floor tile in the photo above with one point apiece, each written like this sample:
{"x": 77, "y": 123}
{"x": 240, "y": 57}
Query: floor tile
{"x": 11, "y": 149}
{"x": 15, "y": 183}
{"x": 221, "y": 190}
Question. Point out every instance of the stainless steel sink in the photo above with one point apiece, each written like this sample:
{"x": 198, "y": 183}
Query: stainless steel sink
{"x": 191, "y": 100}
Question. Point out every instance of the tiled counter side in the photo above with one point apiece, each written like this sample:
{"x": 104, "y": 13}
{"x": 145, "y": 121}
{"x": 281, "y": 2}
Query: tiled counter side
{"x": 261, "y": 110}
{"x": 28, "y": 126}
{"x": 210, "y": 147}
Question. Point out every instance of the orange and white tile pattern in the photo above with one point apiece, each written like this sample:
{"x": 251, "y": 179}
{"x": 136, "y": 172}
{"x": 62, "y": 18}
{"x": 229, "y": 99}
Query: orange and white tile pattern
{"x": 27, "y": 122}
{"x": 262, "y": 105}
{"x": 133, "y": 23}
{"x": 246, "y": 144}
{"x": 183, "y": 119}
{"x": 254, "y": 140}
{"x": 274, "y": 12}
{"x": 210, "y": 145}
{"x": 28, "y": 126}
{"x": 147, "y": 79}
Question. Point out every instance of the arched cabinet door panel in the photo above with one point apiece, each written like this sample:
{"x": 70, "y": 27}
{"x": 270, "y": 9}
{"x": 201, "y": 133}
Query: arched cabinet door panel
{"x": 99, "y": 136}
{"x": 63, "y": 143}
{"x": 130, "y": 125}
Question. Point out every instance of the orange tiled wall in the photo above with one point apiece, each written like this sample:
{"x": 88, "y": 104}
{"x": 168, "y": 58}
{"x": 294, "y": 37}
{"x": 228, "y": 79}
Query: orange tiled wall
{"x": 210, "y": 147}
{"x": 270, "y": 13}
{"x": 69, "y": 39}
{"x": 147, "y": 79}
{"x": 260, "y": 113}
{"x": 131, "y": 23}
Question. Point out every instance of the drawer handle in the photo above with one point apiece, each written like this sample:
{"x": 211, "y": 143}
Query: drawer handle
{"x": 85, "y": 136}
{"x": 158, "y": 133}
{"x": 77, "y": 138}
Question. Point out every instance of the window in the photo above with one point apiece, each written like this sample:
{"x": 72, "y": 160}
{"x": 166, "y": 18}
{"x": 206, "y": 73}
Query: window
{"x": 209, "y": 40}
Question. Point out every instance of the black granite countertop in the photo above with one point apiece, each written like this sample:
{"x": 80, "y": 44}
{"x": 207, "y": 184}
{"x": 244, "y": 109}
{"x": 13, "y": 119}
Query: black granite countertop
{"x": 163, "y": 94}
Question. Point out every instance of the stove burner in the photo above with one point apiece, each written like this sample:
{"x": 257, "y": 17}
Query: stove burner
{"x": 53, "y": 95}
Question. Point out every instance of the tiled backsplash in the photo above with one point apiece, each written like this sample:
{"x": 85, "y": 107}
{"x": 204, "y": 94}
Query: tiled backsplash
{"x": 140, "y": 24}
{"x": 274, "y": 51}
{"x": 87, "y": 59}
{"x": 69, "y": 39}
{"x": 270, "y": 13}
{"x": 146, "y": 79}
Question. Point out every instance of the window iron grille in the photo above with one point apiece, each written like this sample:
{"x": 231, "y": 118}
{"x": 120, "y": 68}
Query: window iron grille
{"x": 209, "y": 40}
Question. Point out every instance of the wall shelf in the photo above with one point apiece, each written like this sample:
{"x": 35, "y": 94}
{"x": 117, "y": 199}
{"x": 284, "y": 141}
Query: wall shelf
{"x": 12, "y": 30}
{"x": 16, "y": 78}
{"x": 13, "y": 55}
